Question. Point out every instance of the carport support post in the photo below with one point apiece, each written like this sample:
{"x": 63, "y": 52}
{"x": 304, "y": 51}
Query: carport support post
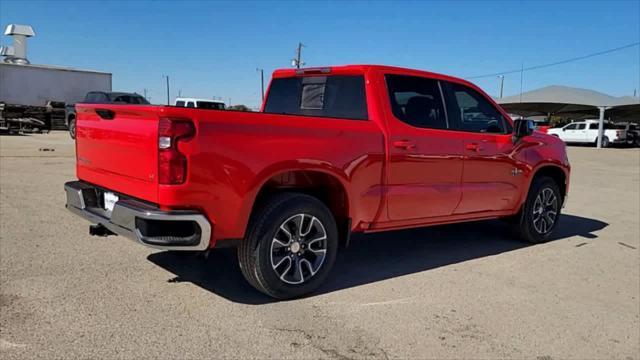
{"x": 601, "y": 126}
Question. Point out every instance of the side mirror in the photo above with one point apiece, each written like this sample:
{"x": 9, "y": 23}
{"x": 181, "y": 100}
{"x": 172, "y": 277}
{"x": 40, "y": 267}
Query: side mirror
{"x": 522, "y": 128}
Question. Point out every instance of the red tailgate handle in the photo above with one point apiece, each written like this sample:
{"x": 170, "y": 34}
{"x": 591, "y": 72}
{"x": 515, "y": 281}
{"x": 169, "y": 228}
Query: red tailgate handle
{"x": 473, "y": 147}
{"x": 404, "y": 144}
{"x": 106, "y": 114}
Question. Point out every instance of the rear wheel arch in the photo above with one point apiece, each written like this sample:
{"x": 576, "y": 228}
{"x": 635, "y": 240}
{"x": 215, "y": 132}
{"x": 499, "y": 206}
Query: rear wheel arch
{"x": 326, "y": 187}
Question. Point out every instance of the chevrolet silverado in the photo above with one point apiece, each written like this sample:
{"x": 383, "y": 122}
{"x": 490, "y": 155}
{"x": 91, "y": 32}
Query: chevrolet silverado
{"x": 333, "y": 151}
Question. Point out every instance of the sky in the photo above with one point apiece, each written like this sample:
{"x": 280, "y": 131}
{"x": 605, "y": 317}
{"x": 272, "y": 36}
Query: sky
{"x": 213, "y": 48}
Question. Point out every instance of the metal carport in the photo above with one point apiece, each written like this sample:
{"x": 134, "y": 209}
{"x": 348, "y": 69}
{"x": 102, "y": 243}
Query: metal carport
{"x": 568, "y": 101}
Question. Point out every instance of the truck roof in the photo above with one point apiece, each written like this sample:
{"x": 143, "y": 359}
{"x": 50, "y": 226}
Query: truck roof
{"x": 358, "y": 69}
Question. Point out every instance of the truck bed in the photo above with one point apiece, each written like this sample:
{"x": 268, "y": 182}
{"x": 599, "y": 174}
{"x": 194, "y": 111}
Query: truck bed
{"x": 231, "y": 155}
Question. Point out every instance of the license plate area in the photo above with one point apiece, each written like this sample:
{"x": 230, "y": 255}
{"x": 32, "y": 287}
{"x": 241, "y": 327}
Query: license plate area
{"x": 109, "y": 200}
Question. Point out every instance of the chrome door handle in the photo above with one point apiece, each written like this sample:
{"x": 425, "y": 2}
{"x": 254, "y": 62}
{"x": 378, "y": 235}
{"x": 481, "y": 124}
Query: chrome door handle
{"x": 473, "y": 147}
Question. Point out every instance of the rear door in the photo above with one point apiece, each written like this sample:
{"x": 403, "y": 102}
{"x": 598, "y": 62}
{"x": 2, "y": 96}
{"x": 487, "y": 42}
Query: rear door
{"x": 116, "y": 148}
{"x": 491, "y": 179}
{"x": 425, "y": 158}
{"x": 592, "y": 133}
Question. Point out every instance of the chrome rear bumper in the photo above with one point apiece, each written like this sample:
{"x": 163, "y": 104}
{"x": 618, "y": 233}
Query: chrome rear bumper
{"x": 139, "y": 221}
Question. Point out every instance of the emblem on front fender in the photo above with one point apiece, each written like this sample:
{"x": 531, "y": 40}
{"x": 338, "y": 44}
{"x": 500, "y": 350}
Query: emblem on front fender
{"x": 516, "y": 172}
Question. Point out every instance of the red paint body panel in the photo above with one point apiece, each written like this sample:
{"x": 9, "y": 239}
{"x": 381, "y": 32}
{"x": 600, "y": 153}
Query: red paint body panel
{"x": 393, "y": 175}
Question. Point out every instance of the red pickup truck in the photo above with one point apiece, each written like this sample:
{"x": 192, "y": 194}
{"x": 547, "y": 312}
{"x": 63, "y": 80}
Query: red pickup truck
{"x": 334, "y": 151}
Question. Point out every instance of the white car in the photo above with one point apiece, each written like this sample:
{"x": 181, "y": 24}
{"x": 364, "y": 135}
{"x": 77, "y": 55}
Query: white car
{"x": 199, "y": 103}
{"x": 587, "y": 132}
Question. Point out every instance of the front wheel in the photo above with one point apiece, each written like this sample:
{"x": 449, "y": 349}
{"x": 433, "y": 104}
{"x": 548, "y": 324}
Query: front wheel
{"x": 541, "y": 211}
{"x": 290, "y": 247}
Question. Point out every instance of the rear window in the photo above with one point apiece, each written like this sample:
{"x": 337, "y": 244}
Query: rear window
{"x": 324, "y": 96}
{"x": 210, "y": 105}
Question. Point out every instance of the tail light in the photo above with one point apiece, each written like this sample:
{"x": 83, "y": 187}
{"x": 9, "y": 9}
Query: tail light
{"x": 172, "y": 164}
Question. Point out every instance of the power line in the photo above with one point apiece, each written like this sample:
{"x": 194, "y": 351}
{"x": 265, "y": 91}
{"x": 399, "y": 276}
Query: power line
{"x": 557, "y": 62}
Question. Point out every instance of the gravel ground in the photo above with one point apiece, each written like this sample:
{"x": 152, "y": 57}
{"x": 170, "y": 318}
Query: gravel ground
{"x": 457, "y": 291}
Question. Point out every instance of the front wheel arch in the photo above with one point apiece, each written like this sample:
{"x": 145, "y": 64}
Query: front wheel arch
{"x": 554, "y": 172}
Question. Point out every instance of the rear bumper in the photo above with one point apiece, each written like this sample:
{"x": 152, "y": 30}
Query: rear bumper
{"x": 139, "y": 221}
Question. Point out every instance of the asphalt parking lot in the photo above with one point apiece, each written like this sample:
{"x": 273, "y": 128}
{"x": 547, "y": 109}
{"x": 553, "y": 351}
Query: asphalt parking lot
{"x": 457, "y": 291}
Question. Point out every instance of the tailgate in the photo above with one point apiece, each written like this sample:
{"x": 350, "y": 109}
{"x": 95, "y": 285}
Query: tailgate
{"x": 117, "y": 148}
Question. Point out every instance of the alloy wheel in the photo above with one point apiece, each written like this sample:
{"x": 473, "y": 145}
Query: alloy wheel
{"x": 545, "y": 211}
{"x": 298, "y": 248}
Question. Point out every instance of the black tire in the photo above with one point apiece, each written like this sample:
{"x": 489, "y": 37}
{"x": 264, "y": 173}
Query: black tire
{"x": 530, "y": 227}
{"x": 605, "y": 142}
{"x": 72, "y": 128}
{"x": 256, "y": 252}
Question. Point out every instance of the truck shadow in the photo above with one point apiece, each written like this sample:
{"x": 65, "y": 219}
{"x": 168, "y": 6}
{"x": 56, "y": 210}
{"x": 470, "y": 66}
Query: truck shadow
{"x": 372, "y": 257}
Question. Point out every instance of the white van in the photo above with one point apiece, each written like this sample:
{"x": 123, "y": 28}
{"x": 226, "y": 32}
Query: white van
{"x": 199, "y": 103}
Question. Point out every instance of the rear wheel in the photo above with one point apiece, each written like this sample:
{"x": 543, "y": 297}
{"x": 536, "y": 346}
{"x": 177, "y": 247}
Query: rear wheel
{"x": 541, "y": 211}
{"x": 605, "y": 142}
{"x": 72, "y": 128}
{"x": 290, "y": 246}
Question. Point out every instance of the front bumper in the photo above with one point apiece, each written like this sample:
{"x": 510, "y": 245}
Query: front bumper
{"x": 140, "y": 221}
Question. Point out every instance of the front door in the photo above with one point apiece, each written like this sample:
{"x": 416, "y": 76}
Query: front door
{"x": 492, "y": 178}
{"x": 570, "y": 133}
{"x": 425, "y": 162}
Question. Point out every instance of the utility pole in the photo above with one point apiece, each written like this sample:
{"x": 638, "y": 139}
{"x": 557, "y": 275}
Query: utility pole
{"x": 521, "y": 80}
{"x": 144, "y": 91}
{"x": 261, "y": 82}
{"x": 501, "y": 84}
{"x": 167, "y": 77}
{"x": 297, "y": 62}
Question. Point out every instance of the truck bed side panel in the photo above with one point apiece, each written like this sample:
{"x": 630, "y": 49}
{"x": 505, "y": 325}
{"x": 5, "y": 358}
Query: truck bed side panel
{"x": 235, "y": 153}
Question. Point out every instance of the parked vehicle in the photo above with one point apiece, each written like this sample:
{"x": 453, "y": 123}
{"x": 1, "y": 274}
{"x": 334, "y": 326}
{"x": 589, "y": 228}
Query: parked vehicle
{"x": 631, "y": 132}
{"x": 542, "y": 125}
{"x": 102, "y": 97}
{"x": 33, "y": 97}
{"x": 334, "y": 150}
{"x": 587, "y": 132}
{"x": 200, "y": 103}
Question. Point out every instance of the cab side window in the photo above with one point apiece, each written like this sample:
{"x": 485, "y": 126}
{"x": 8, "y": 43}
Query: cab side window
{"x": 571, "y": 127}
{"x": 581, "y": 126}
{"x": 190, "y": 104}
{"x": 417, "y": 101}
{"x": 470, "y": 111}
